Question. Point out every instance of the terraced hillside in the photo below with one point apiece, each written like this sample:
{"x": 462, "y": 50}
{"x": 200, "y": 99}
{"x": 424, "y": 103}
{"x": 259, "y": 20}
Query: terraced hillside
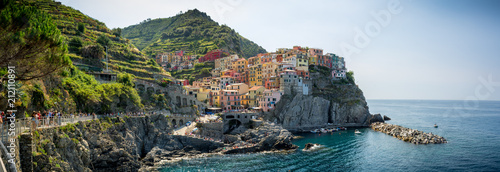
{"x": 193, "y": 31}
{"x": 88, "y": 39}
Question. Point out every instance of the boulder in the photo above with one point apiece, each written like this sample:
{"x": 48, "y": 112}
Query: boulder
{"x": 386, "y": 118}
{"x": 309, "y": 146}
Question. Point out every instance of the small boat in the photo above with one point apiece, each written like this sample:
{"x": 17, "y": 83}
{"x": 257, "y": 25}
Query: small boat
{"x": 341, "y": 128}
{"x": 357, "y": 131}
{"x": 315, "y": 131}
{"x": 435, "y": 126}
{"x": 323, "y": 130}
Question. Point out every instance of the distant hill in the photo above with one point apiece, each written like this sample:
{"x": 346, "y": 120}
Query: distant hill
{"x": 193, "y": 31}
{"x": 87, "y": 38}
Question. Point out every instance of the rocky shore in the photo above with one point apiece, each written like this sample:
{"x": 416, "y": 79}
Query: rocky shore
{"x": 139, "y": 144}
{"x": 408, "y": 134}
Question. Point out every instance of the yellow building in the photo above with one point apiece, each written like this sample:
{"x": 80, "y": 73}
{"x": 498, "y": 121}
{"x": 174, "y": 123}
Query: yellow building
{"x": 215, "y": 98}
{"x": 302, "y": 64}
{"x": 253, "y": 95}
{"x": 240, "y": 65}
{"x": 313, "y": 60}
{"x": 255, "y": 75}
{"x": 203, "y": 95}
{"x": 252, "y": 60}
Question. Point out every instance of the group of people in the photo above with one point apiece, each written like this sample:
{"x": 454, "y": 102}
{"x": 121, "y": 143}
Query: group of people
{"x": 3, "y": 116}
{"x": 46, "y": 118}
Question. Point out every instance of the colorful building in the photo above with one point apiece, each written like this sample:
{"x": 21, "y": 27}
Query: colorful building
{"x": 253, "y": 94}
{"x": 269, "y": 69}
{"x": 240, "y": 65}
{"x": 269, "y": 99}
{"x": 272, "y": 82}
{"x": 315, "y": 51}
{"x": 255, "y": 75}
{"x": 213, "y": 55}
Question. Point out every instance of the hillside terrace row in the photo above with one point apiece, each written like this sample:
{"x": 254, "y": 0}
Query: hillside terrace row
{"x": 259, "y": 82}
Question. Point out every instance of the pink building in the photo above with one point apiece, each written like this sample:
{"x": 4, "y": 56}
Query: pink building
{"x": 230, "y": 99}
{"x": 269, "y": 99}
{"x": 315, "y": 51}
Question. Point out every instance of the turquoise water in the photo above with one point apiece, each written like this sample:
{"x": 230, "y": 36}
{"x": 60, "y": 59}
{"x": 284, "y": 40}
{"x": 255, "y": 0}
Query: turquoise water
{"x": 472, "y": 134}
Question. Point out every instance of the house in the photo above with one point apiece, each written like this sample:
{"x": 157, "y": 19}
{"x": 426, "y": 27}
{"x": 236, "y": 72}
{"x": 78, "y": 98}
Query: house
{"x": 315, "y": 51}
{"x": 266, "y": 58}
{"x": 269, "y": 69}
{"x": 233, "y": 98}
{"x": 225, "y": 81}
{"x": 290, "y": 83}
{"x": 303, "y": 74}
{"x": 239, "y": 65}
{"x": 302, "y": 62}
{"x": 180, "y": 53}
{"x": 255, "y": 75}
{"x": 324, "y": 61}
{"x": 272, "y": 82}
{"x": 254, "y": 61}
{"x": 181, "y": 82}
{"x": 213, "y": 55}
{"x": 269, "y": 99}
{"x": 339, "y": 74}
{"x": 291, "y": 60}
{"x": 254, "y": 94}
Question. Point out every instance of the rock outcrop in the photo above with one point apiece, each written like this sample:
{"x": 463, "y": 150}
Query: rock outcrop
{"x": 309, "y": 146}
{"x": 407, "y": 134}
{"x": 138, "y": 144}
{"x": 125, "y": 144}
{"x": 267, "y": 137}
{"x": 339, "y": 105}
{"x": 386, "y": 118}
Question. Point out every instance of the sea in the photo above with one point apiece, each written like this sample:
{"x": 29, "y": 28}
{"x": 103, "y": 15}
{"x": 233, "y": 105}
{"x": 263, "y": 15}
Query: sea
{"x": 472, "y": 129}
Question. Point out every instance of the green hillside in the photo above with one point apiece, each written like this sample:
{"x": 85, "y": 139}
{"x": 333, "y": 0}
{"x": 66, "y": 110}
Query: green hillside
{"x": 87, "y": 39}
{"x": 193, "y": 31}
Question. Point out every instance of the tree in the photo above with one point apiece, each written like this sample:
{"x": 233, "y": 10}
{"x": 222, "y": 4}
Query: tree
{"x": 117, "y": 32}
{"x": 75, "y": 44}
{"x": 30, "y": 41}
{"x": 126, "y": 79}
{"x": 81, "y": 27}
{"x": 350, "y": 77}
{"x": 103, "y": 40}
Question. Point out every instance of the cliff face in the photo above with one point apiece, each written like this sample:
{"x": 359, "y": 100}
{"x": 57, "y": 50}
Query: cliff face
{"x": 138, "y": 144}
{"x": 113, "y": 145}
{"x": 340, "y": 105}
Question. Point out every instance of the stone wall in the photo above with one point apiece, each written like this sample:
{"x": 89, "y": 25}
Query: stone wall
{"x": 212, "y": 130}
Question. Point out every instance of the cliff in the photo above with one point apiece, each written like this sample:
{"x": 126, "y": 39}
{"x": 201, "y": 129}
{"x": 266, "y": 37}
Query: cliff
{"x": 136, "y": 144}
{"x": 124, "y": 144}
{"x": 330, "y": 104}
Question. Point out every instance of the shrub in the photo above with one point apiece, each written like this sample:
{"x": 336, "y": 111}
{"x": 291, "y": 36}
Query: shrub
{"x": 81, "y": 27}
{"x": 103, "y": 40}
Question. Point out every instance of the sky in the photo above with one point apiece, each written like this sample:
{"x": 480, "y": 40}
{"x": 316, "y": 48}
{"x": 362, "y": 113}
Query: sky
{"x": 425, "y": 49}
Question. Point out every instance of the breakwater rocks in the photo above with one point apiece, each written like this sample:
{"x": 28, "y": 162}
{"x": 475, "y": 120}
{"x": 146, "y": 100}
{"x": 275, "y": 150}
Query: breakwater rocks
{"x": 408, "y": 134}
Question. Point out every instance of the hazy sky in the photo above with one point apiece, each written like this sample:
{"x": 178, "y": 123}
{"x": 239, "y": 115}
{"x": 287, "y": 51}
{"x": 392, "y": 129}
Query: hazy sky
{"x": 426, "y": 49}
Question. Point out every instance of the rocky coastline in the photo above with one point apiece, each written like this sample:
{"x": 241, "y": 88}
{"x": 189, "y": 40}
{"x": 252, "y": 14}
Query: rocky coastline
{"x": 140, "y": 144}
{"x": 408, "y": 134}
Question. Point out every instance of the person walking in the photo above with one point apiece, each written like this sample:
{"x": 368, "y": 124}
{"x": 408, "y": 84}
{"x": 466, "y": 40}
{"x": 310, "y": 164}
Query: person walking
{"x": 33, "y": 120}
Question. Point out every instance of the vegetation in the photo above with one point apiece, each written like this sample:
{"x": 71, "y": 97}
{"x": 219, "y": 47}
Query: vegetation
{"x": 30, "y": 42}
{"x": 193, "y": 32}
{"x": 91, "y": 96}
{"x": 86, "y": 39}
{"x": 200, "y": 70}
{"x": 350, "y": 77}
